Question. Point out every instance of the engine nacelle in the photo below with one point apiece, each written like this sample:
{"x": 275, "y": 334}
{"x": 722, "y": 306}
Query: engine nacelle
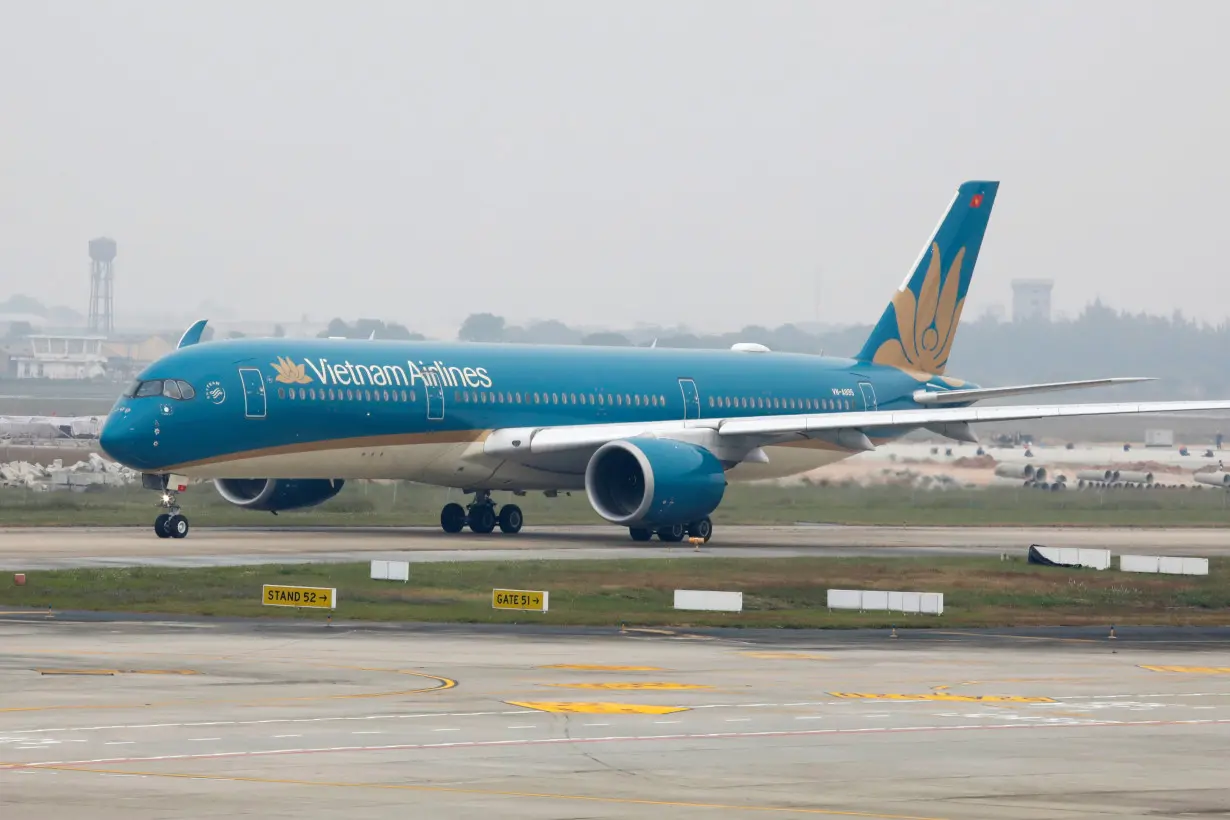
{"x": 647, "y": 482}
{"x": 276, "y": 494}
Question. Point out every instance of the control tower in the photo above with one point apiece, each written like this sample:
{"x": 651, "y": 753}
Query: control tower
{"x": 102, "y": 286}
{"x": 1031, "y": 300}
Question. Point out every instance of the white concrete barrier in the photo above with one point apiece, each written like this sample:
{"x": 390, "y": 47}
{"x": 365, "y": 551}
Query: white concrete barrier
{"x": 390, "y": 570}
{"x": 709, "y": 600}
{"x": 845, "y": 599}
{"x": 911, "y": 603}
{"x": 1072, "y": 557}
{"x": 1165, "y": 564}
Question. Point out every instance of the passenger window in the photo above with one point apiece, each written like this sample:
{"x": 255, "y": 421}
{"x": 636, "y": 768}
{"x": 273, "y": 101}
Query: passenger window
{"x": 601, "y": 399}
{"x": 281, "y": 392}
{"x": 302, "y": 393}
{"x": 349, "y": 394}
{"x": 150, "y": 388}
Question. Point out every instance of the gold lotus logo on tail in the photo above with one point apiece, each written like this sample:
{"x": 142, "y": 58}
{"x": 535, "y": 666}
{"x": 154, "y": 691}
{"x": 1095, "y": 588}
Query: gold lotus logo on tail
{"x": 926, "y": 325}
{"x": 289, "y": 372}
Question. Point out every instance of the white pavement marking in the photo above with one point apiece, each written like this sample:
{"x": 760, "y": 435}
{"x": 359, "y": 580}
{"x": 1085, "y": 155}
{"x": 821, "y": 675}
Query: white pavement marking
{"x": 467, "y": 744}
{"x": 415, "y": 716}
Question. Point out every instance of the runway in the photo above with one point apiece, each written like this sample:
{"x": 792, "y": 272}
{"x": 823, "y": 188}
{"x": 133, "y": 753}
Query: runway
{"x": 24, "y": 549}
{"x": 163, "y": 719}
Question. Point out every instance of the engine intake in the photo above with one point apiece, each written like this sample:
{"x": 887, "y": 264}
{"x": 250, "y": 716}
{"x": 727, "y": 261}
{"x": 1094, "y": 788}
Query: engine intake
{"x": 653, "y": 482}
{"x": 276, "y": 494}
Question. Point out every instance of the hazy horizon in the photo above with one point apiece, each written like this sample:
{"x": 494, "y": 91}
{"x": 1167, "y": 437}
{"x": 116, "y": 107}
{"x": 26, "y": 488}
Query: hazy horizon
{"x": 713, "y": 164}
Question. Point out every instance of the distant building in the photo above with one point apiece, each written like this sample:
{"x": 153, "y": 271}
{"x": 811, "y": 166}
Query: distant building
{"x": 129, "y": 356}
{"x": 1031, "y": 300}
{"x": 60, "y": 357}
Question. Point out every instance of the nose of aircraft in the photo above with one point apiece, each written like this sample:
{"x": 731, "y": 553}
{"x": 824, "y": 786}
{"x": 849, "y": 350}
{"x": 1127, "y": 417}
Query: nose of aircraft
{"x": 120, "y": 440}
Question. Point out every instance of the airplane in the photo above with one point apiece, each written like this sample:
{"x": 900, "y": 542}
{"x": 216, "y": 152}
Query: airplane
{"x": 652, "y": 436}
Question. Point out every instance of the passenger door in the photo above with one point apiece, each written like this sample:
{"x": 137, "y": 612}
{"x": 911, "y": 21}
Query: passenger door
{"x": 435, "y": 402}
{"x": 254, "y": 403}
{"x": 691, "y": 399}
{"x": 869, "y": 395}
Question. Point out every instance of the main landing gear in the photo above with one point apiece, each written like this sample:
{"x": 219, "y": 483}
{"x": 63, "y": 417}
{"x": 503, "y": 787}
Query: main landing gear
{"x": 480, "y": 516}
{"x": 172, "y": 523}
{"x": 675, "y": 533}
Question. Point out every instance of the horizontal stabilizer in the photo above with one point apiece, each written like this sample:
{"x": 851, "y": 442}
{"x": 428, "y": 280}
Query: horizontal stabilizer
{"x": 982, "y": 393}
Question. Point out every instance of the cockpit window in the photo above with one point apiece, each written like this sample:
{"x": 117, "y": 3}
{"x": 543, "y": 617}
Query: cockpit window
{"x": 149, "y": 388}
{"x": 167, "y": 388}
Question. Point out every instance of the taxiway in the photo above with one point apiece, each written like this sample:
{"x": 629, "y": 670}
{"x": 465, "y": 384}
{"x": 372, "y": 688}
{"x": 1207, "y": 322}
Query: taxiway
{"x": 193, "y": 719}
{"x": 25, "y": 549}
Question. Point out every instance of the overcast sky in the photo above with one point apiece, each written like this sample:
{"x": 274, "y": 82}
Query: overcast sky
{"x": 711, "y": 163}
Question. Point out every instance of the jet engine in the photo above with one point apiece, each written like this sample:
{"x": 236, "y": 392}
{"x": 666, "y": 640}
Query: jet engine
{"x": 276, "y": 494}
{"x": 647, "y": 482}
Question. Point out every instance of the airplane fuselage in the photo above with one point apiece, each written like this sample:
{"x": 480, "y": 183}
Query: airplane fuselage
{"x": 421, "y": 411}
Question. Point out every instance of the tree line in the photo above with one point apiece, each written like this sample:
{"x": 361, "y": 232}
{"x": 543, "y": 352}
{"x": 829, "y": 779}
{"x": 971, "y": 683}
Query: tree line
{"x": 1185, "y": 355}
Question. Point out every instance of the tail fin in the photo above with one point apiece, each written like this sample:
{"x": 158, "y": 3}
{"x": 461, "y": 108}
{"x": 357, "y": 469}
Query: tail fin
{"x": 918, "y": 326}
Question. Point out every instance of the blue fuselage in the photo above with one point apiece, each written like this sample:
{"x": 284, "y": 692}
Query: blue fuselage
{"x": 353, "y": 409}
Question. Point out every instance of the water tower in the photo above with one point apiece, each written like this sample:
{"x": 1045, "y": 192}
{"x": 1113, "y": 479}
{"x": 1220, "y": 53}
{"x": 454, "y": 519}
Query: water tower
{"x": 102, "y": 286}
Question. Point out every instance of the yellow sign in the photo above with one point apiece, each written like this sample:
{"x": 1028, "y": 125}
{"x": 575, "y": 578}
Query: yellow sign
{"x": 630, "y": 686}
{"x": 598, "y": 708}
{"x": 943, "y": 696}
{"x": 1191, "y": 670}
{"x": 314, "y": 597}
{"x": 597, "y": 667}
{"x": 522, "y": 599}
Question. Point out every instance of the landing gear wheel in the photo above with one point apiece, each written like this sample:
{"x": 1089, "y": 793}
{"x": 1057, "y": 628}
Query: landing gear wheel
{"x": 672, "y": 534}
{"x": 701, "y": 529}
{"x": 482, "y": 519}
{"x": 177, "y": 526}
{"x": 160, "y": 525}
{"x": 511, "y": 519}
{"x": 452, "y": 518}
{"x": 640, "y": 533}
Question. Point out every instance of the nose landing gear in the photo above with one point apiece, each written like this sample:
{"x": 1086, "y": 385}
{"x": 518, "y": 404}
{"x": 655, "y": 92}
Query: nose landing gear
{"x": 172, "y": 523}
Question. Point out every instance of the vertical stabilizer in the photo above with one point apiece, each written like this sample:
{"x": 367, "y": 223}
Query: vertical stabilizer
{"x": 919, "y": 325}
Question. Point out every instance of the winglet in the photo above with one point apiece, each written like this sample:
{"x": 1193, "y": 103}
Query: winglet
{"x": 193, "y": 334}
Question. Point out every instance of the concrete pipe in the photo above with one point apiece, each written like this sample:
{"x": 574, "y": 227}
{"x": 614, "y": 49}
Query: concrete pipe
{"x": 1025, "y": 471}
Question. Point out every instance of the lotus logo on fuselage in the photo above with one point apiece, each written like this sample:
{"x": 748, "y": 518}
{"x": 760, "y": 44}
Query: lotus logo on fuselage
{"x": 289, "y": 372}
{"x": 926, "y": 324}
{"x": 346, "y": 374}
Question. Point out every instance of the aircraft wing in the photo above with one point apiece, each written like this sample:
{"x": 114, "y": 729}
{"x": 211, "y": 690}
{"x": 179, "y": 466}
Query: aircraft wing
{"x": 735, "y": 436}
{"x": 980, "y": 393}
